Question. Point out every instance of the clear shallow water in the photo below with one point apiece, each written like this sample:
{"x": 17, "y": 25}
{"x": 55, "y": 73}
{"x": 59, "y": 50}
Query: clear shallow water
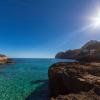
{"x": 18, "y": 81}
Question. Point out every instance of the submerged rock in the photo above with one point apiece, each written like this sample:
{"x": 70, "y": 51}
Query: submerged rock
{"x": 74, "y": 81}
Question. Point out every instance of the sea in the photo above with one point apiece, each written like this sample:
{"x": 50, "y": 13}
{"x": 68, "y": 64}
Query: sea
{"x": 26, "y": 79}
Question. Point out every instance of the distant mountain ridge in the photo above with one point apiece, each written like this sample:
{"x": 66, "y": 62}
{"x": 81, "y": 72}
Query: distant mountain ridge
{"x": 88, "y": 52}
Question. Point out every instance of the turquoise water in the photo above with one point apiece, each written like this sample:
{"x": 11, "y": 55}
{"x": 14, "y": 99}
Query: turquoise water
{"x": 26, "y": 79}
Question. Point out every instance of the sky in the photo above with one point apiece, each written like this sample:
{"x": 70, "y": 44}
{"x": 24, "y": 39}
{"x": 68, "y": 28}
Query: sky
{"x": 41, "y": 28}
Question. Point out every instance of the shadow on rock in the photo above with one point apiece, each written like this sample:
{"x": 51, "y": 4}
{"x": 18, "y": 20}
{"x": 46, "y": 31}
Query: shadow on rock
{"x": 41, "y": 92}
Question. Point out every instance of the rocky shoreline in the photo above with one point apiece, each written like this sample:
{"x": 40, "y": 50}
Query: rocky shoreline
{"x": 74, "y": 81}
{"x": 90, "y": 52}
{"x": 5, "y": 60}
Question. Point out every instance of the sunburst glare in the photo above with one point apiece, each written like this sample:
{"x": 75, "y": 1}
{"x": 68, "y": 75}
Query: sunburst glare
{"x": 95, "y": 19}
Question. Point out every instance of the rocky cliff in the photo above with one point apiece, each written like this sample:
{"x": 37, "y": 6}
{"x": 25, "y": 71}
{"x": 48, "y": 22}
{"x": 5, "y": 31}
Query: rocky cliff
{"x": 5, "y": 60}
{"x": 74, "y": 81}
{"x": 89, "y": 52}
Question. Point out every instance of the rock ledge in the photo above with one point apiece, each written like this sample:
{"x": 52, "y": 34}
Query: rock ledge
{"x": 74, "y": 81}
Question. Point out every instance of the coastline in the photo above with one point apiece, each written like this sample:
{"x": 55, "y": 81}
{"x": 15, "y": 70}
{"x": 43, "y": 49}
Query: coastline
{"x": 75, "y": 80}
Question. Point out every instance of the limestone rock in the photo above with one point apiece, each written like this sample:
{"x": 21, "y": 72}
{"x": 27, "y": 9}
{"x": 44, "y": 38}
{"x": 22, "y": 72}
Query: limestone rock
{"x": 74, "y": 81}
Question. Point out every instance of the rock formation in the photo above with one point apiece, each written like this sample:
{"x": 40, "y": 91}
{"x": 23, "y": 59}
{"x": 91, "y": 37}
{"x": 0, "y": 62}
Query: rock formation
{"x": 74, "y": 81}
{"x": 5, "y": 60}
{"x": 89, "y": 52}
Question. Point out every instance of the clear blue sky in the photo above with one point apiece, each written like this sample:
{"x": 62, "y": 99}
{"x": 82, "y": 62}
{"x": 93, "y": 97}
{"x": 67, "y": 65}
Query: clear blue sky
{"x": 41, "y": 28}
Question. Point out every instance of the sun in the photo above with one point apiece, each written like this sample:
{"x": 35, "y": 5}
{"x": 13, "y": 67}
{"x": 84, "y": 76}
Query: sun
{"x": 96, "y": 20}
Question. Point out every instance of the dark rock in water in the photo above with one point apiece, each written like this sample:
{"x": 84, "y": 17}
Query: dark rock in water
{"x": 41, "y": 92}
{"x": 89, "y": 52}
{"x": 37, "y": 81}
{"x": 74, "y": 81}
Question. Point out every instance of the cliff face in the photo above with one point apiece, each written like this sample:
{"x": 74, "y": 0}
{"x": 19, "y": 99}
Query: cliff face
{"x": 93, "y": 44}
{"x": 77, "y": 80}
{"x": 4, "y": 59}
{"x": 89, "y": 52}
{"x": 74, "y": 81}
{"x": 70, "y": 54}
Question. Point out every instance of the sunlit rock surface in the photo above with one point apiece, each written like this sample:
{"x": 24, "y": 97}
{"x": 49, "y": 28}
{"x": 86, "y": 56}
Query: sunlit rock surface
{"x": 74, "y": 81}
{"x": 89, "y": 52}
{"x": 4, "y": 59}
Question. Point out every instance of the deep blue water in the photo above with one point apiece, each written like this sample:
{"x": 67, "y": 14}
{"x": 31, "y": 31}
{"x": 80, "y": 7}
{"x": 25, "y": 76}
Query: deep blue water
{"x": 27, "y": 79}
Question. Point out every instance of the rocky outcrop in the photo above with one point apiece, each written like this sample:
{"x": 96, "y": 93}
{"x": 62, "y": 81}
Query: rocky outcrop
{"x": 70, "y": 54}
{"x": 74, "y": 81}
{"x": 5, "y": 60}
{"x": 89, "y": 52}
